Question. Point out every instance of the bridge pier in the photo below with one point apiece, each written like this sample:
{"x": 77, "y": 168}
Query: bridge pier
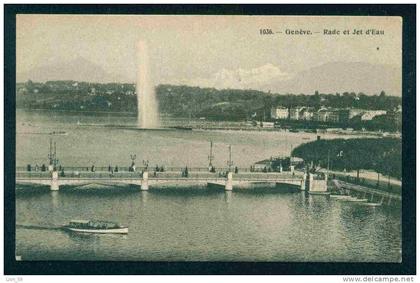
{"x": 311, "y": 181}
{"x": 303, "y": 183}
{"x": 54, "y": 199}
{"x": 54, "y": 181}
{"x": 317, "y": 186}
{"x": 228, "y": 196}
{"x": 229, "y": 185}
{"x": 144, "y": 196}
{"x": 145, "y": 181}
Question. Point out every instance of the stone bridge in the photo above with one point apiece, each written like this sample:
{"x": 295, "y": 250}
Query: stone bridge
{"x": 144, "y": 179}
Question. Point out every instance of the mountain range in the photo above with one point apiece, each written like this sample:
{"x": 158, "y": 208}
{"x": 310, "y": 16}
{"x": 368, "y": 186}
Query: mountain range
{"x": 327, "y": 78}
{"x": 79, "y": 69}
{"x": 341, "y": 77}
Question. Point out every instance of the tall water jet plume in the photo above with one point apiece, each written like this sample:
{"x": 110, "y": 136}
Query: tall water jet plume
{"x": 147, "y": 106}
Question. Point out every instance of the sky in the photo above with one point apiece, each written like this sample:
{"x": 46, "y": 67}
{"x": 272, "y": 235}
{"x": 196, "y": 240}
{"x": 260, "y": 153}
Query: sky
{"x": 205, "y": 50}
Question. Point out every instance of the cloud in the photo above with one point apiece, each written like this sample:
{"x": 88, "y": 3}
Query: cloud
{"x": 239, "y": 78}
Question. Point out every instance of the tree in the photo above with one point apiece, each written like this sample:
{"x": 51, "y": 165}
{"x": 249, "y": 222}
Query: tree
{"x": 382, "y": 155}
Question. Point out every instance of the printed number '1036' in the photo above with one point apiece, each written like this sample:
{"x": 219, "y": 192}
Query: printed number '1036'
{"x": 266, "y": 31}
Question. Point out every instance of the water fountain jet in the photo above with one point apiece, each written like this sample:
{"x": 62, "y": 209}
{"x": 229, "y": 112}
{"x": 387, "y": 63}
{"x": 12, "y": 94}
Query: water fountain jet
{"x": 147, "y": 106}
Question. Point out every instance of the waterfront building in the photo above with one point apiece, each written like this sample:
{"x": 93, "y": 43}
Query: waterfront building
{"x": 327, "y": 115}
{"x": 333, "y": 116}
{"x": 321, "y": 115}
{"x": 294, "y": 112}
{"x": 306, "y": 113}
{"x": 279, "y": 113}
{"x": 345, "y": 115}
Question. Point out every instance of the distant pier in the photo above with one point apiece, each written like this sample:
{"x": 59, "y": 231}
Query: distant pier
{"x": 369, "y": 194}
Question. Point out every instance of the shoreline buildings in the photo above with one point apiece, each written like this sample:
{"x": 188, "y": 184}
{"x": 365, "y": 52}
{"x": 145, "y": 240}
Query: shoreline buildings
{"x": 332, "y": 115}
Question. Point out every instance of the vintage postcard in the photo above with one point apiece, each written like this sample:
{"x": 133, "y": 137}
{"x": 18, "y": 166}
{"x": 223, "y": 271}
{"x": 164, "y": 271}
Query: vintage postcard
{"x": 209, "y": 138}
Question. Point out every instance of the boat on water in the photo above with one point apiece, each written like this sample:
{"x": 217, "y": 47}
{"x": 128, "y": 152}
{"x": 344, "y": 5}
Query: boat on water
{"x": 374, "y": 204}
{"x": 58, "y": 133}
{"x": 95, "y": 226}
{"x": 182, "y": 128}
{"x": 353, "y": 199}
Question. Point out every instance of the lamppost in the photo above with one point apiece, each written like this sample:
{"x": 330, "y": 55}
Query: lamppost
{"x": 230, "y": 162}
{"x": 52, "y": 156}
{"x": 55, "y": 161}
{"x": 133, "y": 164}
{"x": 211, "y": 156}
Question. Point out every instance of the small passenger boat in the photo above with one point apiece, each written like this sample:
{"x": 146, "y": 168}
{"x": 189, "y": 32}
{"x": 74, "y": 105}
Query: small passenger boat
{"x": 95, "y": 226}
{"x": 58, "y": 133}
{"x": 374, "y": 204}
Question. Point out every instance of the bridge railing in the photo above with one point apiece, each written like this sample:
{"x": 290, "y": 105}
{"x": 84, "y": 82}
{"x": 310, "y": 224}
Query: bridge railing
{"x": 115, "y": 168}
{"x": 160, "y": 175}
{"x": 33, "y": 174}
{"x": 82, "y": 175}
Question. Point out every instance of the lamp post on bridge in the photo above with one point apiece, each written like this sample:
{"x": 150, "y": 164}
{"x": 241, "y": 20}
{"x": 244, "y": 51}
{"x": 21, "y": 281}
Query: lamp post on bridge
{"x": 133, "y": 163}
{"x": 52, "y": 167}
{"x": 52, "y": 156}
{"x": 229, "y": 183}
{"x": 146, "y": 164}
{"x": 230, "y": 162}
{"x": 211, "y": 156}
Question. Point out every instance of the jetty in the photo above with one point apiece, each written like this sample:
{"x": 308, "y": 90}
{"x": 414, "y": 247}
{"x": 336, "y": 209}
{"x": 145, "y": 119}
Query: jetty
{"x": 368, "y": 194}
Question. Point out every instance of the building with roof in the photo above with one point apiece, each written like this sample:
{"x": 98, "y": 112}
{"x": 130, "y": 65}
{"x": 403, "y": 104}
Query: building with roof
{"x": 279, "y": 113}
{"x": 294, "y": 112}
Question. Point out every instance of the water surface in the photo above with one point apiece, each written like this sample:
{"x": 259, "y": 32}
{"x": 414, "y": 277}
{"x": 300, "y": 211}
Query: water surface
{"x": 191, "y": 224}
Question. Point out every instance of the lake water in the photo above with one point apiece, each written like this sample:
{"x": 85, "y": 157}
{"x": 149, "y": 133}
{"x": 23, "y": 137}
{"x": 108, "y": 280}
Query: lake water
{"x": 192, "y": 224}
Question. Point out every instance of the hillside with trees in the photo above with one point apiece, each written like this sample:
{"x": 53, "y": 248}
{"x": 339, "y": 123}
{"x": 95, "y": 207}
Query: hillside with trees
{"x": 381, "y": 155}
{"x": 186, "y": 101}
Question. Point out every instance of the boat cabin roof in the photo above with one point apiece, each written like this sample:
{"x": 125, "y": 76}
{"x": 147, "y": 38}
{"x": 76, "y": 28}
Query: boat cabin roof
{"x": 76, "y": 221}
{"x": 102, "y": 222}
{"x": 79, "y": 221}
